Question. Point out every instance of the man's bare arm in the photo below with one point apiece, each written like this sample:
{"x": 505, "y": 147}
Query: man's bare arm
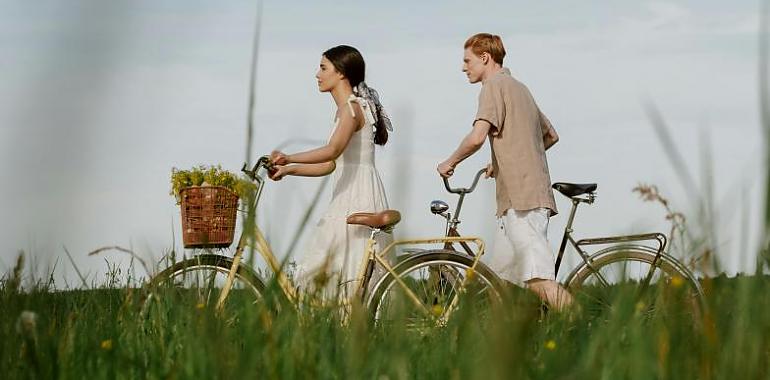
{"x": 470, "y": 144}
{"x": 550, "y": 137}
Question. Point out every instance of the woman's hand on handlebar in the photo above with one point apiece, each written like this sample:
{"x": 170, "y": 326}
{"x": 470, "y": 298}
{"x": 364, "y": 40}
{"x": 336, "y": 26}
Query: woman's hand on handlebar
{"x": 279, "y": 158}
{"x": 277, "y": 172}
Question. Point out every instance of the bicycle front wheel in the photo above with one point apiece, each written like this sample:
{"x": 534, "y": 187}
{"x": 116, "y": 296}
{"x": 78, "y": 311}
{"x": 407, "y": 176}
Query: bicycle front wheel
{"x": 431, "y": 287}
{"x": 661, "y": 288}
{"x": 195, "y": 285}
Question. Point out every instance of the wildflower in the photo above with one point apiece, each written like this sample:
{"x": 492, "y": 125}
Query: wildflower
{"x": 470, "y": 274}
{"x": 437, "y": 310}
{"x": 640, "y": 306}
{"x": 200, "y": 305}
{"x": 677, "y": 281}
{"x": 550, "y": 345}
{"x": 650, "y": 193}
{"x": 26, "y": 324}
{"x": 106, "y": 344}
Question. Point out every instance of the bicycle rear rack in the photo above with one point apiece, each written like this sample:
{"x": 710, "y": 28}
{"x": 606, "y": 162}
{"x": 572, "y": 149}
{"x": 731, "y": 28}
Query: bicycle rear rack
{"x": 656, "y": 236}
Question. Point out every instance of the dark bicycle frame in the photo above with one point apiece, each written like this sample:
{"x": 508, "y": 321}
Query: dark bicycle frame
{"x": 453, "y": 221}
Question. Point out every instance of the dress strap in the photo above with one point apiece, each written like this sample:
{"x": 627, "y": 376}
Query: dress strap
{"x": 368, "y": 112}
{"x": 351, "y": 99}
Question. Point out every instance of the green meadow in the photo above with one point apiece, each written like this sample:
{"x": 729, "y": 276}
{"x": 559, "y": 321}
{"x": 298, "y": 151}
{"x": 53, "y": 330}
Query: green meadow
{"x": 104, "y": 333}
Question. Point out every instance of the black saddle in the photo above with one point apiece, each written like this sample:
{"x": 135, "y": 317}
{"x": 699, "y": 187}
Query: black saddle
{"x": 574, "y": 189}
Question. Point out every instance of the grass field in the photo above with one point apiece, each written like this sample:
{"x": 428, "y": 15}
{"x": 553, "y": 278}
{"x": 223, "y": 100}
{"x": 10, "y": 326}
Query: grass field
{"x": 101, "y": 333}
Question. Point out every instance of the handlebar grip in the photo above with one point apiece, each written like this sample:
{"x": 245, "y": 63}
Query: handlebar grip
{"x": 476, "y": 180}
{"x": 262, "y": 162}
{"x": 446, "y": 184}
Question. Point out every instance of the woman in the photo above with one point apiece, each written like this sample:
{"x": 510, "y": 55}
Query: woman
{"x": 332, "y": 260}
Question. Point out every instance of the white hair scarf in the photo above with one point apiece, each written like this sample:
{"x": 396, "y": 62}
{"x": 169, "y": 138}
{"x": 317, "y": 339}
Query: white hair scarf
{"x": 373, "y": 109}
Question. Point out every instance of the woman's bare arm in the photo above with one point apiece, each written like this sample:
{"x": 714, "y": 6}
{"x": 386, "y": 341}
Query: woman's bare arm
{"x": 347, "y": 125}
{"x": 312, "y": 170}
{"x": 302, "y": 170}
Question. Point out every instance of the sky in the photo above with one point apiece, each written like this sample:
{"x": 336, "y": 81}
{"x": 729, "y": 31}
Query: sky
{"x": 99, "y": 100}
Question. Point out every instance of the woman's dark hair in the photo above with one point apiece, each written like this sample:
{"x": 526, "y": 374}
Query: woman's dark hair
{"x": 349, "y": 62}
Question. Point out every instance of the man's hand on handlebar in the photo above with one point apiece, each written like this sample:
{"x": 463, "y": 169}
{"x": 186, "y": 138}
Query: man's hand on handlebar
{"x": 490, "y": 173}
{"x": 445, "y": 169}
{"x": 464, "y": 190}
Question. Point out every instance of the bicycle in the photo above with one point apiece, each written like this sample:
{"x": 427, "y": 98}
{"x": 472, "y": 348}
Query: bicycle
{"x": 424, "y": 286}
{"x": 429, "y": 280}
{"x": 439, "y": 276}
{"x": 625, "y": 265}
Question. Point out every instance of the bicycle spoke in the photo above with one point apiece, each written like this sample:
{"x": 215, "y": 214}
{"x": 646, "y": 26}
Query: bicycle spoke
{"x": 198, "y": 283}
{"x": 439, "y": 286}
{"x": 656, "y": 291}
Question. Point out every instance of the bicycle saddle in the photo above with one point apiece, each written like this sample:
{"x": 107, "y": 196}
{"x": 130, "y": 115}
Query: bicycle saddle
{"x": 574, "y": 189}
{"x": 383, "y": 220}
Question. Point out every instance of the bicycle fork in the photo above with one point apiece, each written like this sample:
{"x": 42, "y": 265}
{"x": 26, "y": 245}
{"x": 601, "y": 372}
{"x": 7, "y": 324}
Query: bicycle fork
{"x": 264, "y": 250}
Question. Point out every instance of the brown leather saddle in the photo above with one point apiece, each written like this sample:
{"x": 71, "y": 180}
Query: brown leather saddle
{"x": 383, "y": 220}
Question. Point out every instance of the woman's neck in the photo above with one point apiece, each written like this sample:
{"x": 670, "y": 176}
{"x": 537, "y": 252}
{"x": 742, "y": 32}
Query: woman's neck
{"x": 341, "y": 93}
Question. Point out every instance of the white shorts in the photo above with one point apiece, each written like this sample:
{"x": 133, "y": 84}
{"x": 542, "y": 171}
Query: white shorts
{"x": 521, "y": 251}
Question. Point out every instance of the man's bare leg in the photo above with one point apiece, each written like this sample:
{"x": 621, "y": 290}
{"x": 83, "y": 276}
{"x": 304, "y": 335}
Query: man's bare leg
{"x": 551, "y": 292}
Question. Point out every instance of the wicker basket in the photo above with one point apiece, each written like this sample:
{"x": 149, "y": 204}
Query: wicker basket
{"x": 208, "y": 216}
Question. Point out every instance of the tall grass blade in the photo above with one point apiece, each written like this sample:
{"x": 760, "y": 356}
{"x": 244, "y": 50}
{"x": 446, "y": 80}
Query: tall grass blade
{"x": 77, "y": 270}
{"x": 675, "y": 158}
{"x": 253, "y": 85}
{"x": 764, "y": 106}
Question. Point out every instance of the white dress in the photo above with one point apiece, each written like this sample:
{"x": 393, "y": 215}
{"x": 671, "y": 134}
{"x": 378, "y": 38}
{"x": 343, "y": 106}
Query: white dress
{"x": 332, "y": 259}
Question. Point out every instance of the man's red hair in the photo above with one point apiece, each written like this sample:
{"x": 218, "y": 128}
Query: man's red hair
{"x": 487, "y": 43}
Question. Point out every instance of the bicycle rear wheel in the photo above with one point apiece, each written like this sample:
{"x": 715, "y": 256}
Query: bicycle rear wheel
{"x": 445, "y": 285}
{"x": 622, "y": 274}
{"x": 195, "y": 284}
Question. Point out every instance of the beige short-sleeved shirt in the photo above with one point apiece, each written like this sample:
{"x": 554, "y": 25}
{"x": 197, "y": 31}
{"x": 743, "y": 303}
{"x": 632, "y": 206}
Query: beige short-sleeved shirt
{"x": 518, "y": 153}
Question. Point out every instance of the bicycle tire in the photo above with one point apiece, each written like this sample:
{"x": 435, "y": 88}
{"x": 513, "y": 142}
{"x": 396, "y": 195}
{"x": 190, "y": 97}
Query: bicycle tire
{"x": 654, "y": 299}
{"x": 180, "y": 285}
{"x": 445, "y": 270}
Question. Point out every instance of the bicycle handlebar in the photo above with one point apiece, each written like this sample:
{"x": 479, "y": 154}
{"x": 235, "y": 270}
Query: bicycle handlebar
{"x": 263, "y": 162}
{"x": 463, "y": 190}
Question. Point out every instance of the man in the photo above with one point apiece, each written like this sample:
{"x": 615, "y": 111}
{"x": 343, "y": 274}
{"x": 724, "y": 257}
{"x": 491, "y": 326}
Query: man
{"x": 519, "y": 134}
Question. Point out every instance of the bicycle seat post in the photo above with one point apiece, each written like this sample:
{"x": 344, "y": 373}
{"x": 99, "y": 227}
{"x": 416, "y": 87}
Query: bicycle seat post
{"x": 369, "y": 264}
{"x": 567, "y": 233}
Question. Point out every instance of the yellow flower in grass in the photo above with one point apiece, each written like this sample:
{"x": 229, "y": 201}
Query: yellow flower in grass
{"x": 550, "y": 345}
{"x": 106, "y": 344}
{"x": 437, "y": 310}
{"x": 470, "y": 274}
{"x": 677, "y": 281}
{"x": 200, "y": 306}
